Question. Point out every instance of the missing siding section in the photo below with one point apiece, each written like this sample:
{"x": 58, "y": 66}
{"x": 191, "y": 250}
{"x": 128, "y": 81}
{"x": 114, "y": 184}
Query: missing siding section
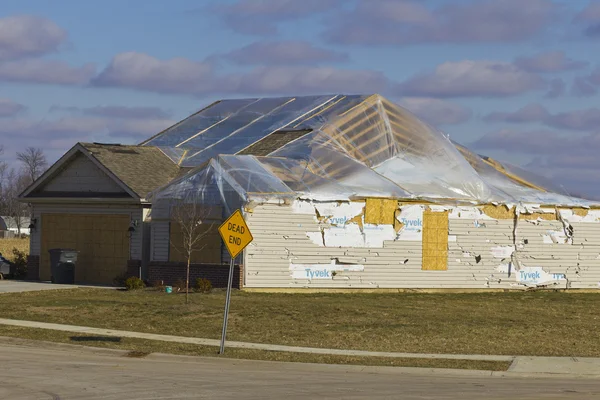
{"x": 582, "y": 212}
{"x": 435, "y": 241}
{"x": 380, "y": 211}
{"x": 499, "y": 212}
{"x": 208, "y": 248}
{"x": 537, "y": 215}
{"x": 397, "y": 224}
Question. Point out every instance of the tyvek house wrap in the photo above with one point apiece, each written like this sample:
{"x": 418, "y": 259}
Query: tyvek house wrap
{"x": 358, "y": 147}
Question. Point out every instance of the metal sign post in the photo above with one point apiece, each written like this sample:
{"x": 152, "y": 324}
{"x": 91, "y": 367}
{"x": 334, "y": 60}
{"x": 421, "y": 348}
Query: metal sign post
{"x": 227, "y": 300}
{"x": 236, "y": 236}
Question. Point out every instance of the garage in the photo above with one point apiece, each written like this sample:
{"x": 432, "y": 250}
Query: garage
{"x": 93, "y": 200}
{"x": 102, "y": 242}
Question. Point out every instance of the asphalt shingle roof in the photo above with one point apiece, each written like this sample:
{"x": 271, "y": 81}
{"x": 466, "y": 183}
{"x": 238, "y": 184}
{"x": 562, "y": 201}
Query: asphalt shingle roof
{"x": 142, "y": 168}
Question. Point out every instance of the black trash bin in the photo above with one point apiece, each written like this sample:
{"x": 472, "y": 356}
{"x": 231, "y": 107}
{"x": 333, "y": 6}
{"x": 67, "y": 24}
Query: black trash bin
{"x": 62, "y": 265}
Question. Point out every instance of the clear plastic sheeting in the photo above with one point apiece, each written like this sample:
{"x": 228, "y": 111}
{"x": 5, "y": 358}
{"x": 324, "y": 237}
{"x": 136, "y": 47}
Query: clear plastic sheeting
{"x": 358, "y": 147}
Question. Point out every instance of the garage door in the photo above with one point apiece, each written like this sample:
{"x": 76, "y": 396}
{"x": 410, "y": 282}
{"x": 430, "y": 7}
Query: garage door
{"x": 102, "y": 241}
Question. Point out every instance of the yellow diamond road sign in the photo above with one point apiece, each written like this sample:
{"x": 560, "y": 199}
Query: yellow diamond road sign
{"x": 235, "y": 233}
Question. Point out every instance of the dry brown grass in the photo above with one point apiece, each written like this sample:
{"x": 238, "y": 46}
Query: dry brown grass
{"x": 7, "y": 246}
{"x": 532, "y": 323}
{"x": 140, "y": 348}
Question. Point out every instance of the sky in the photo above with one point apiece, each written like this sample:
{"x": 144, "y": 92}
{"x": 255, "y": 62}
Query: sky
{"x": 517, "y": 80}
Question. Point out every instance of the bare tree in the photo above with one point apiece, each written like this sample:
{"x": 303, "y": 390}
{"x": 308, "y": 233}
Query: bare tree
{"x": 3, "y": 169}
{"x": 34, "y": 162}
{"x": 196, "y": 223}
{"x": 14, "y": 184}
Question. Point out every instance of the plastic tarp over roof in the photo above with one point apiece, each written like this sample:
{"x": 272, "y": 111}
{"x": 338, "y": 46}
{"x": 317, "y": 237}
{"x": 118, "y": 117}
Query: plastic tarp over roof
{"x": 359, "y": 146}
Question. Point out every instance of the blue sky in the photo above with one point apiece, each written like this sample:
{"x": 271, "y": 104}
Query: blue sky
{"x": 514, "y": 79}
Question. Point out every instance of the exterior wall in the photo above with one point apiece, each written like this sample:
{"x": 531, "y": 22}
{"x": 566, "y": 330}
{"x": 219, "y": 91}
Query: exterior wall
{"x": 133, "y": 268}
{"x": 481, "y": 252}
{"x": 82, "y": 175}
{"x": 217, "y": 274}
{"x": 134, "y": 212}
{"x": 470, "y": 258}
{"x": 159, "y": 233}
{"x": 33, "y": 267}
{"x": 146, "y": 227}
{"x": 280, "y": 237}
{"x": 161, "y": 227}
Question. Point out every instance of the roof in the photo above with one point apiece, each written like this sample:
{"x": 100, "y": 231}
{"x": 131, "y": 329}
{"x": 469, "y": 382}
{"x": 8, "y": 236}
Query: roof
{"x": 350, "y": 147}
{"x": 231, "y": 126}
{"x": 142, "y": 169}
{"x": 273, "y": 142}
{"x": 10, "y": 223}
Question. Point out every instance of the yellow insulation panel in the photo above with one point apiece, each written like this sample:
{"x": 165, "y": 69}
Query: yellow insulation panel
{"x": 535, "y": 216}
{"x": 499, "y": 212}
{"x": 435, "y": 241}
{"x": 380, "y": 211}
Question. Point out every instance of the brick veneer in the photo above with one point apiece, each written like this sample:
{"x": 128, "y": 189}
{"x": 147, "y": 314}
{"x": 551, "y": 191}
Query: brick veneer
{"x": 133, "y": 268}
{"x": 33, "y": 267}
{"x": 217, "y": 274}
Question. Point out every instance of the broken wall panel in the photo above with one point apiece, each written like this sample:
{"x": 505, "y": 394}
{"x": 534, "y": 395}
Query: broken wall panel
{"x": 281, "y": 245}
{"x": 480, "y": 253}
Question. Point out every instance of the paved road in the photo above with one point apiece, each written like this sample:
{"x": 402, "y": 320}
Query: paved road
{"x": 30, "y": 372}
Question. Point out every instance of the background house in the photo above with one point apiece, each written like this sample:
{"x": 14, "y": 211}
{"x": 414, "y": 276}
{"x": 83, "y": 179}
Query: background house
{"x": 94, "y": 200}
{"x": 11, "y": 227}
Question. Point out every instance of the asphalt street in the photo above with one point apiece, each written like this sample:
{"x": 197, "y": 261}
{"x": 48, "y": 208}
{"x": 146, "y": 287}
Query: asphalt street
{"x": 68, "y": 372}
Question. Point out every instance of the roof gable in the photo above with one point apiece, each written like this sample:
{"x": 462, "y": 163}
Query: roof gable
{"x": 141, "y": 168}
{"x": 81, "y": 175}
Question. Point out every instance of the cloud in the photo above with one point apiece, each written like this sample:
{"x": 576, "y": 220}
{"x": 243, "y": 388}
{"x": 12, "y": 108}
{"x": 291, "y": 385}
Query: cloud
{"x": 437, "y": 112}
{"x": 571, "y": 161}
{"x": 81, "y": 128}
{"x": 27, "y": 36}
{"x": 138, "y": 129}
{"x": 284, "y": 52}
{"x": 58, "y": 135}
{"x": 582, "y": 87}
{"x": 594, "y": 77}
{"x": 144, "y": 72}
{"x": 472, "y": 79}
{"x": 589, "y": 18}
{"x": 530, "y": 113}
{"x": 44, "y": 71}
{"x": 405, "y": 22}
{"x": 124, "y": 112}
{"x": 9, "y": 108}
{"x": 304, "y": 80}
{"x": 551, "y": 61}
{"x": 528, "y": 142}
{"x": 556, "y": 88}
{"x": 263, "y": 17}
{"x": 577, "y": 120}
{"x": 583, "y": 120}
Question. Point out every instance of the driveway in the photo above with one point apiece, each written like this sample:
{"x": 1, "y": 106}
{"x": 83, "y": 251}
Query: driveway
{"x": 10, "y": 286}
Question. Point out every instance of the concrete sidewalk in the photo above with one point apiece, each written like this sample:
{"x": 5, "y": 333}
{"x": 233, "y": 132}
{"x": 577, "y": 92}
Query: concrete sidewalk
{"x": 525, "y": 365}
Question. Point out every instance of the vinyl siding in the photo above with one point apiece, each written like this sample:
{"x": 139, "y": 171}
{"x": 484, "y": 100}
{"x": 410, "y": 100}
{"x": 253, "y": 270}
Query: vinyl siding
{"x": 81, "y": 175}
{"x": 280, "y": 239}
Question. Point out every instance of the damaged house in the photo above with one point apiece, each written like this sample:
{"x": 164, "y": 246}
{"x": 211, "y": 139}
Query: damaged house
{"x": 350, "y": 192}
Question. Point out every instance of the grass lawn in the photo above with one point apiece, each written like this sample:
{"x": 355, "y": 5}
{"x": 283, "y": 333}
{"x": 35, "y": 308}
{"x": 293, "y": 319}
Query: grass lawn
{"x": 532, "y": 323}
{"x": 141, "y": 347}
